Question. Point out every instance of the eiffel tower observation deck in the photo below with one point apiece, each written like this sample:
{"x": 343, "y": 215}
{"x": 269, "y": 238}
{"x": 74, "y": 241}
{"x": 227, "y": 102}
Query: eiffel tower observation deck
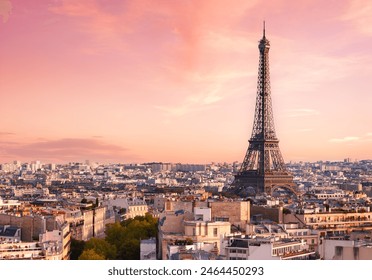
{"x": 263, "y": 169}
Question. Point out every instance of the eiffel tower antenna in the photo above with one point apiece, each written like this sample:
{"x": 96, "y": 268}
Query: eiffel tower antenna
{"x": 263, "y": 167}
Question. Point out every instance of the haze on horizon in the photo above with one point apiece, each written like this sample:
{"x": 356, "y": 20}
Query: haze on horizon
{"x": 175, "y": 81}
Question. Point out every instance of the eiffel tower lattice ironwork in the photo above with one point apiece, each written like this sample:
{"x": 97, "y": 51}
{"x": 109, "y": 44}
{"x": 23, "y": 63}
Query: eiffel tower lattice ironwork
{"x": 263, "y": 167}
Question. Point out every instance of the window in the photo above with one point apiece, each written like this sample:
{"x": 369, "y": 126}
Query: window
{"x": 215, "y": 231}
{"x": 221, "y": 219}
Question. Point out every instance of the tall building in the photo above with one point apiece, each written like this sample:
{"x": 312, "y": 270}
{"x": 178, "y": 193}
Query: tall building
{"x": 263, "y": 168}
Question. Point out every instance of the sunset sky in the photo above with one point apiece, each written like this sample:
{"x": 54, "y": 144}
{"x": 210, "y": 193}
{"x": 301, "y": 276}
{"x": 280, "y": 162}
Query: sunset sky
{"x": 175, "y": 80}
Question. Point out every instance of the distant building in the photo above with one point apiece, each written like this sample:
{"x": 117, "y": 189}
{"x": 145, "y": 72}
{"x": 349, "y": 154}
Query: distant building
{"x": 337, "y": 222}
{"x": 175, "y": 205}
{"x": 10, "y": 234}
{"x": 135, "y": 207}
{"x": 127, "y": 208}
{"x": 9, "y": 204}
{"x": 50, "y": 244}
{"x": 234, "y": 212}
{"x": 196, "y": 251}
{"x": 86, "y": 224}
{"x": 269, "y": 248}
{"x": 342, "y": 249}
{"x": 184, "y": 227}
{"x": 148, "y": 249}
{"x": 189, "y": 167}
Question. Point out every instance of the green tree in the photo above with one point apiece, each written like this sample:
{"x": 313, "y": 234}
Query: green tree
{"x": 101, "y": 247}
{"x": 90, "y": 254}
{"x": 115, "y": 235}
{"x": 77, "y": 247}
{"x": 130, "y": 250}
{"x": 126, "y": 236}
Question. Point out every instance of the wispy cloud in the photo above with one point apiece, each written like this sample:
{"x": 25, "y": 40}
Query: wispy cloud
{"x": 364, "y": 138}
{"x": 344, "y": 139}
{"x": 359, "y": 14}
{"x": 367, "y": 137}
{"x": 206, "y": 90}
{"x": 66, "y": 149}
{"x": 212, "y": 96}
{"x": 106, "y": 27}
{"x": 190, "y": 24}
{"x": 302, "y": 112}
{"x": 5, "y": 133}
{"x": 5, "y": 9}
{"x": 312, "y": 70}
{"x": 195, "y": 102}
{"x": 305, "y": 129}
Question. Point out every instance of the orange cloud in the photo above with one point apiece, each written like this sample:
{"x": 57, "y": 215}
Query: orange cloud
{"x": 5, "y": 9}
{"x": 358, "y": 13}
{"x": 67, "y": 149}
{"x": 6, "y": 133}
{"x": 187, "y": 24}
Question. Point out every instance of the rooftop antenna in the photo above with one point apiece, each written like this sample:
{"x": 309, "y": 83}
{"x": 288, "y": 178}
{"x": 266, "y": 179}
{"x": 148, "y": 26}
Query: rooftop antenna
{"x": 264, "y": 29}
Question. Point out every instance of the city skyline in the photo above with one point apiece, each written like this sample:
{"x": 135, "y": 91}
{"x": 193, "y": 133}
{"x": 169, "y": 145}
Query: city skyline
{"x": 142, "y": 81}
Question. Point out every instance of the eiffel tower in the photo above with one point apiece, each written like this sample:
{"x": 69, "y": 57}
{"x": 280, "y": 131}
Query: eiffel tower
{"x": 263, "y": 168}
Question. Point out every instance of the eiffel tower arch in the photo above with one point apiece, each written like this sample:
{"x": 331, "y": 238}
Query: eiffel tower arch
{"x": 263, "y": 169}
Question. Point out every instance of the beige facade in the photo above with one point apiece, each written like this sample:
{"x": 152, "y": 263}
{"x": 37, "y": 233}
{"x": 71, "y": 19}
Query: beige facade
{"x": 128, "y": 208}
{"x": 21, "y": 251}
{"x": 86, "y": 224}
{"x": 31, "y": 226}
{"x": 355, "y": 253}
{"x": 180, "y": 227}
{"x": 171, "y": 230}
{"x": 268, "y": 248}
{"x": 134, "y": 210}
{"x": 234, "y": 212}
{"x": 66, "y": 241}
{"x": 333, "y": 249}
{"x": 52, "y": 245}
{"x": 207, "y": 232}
{"x": 311, "y": 237}
{"x": 99, "y": 222}
{"x": 274, "y": 214}
{"x": 333, "y": 223}
{"x": 171, "y": 205}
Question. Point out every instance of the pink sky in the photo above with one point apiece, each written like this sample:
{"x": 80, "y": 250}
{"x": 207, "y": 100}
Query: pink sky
{"x": 175, "y": 81}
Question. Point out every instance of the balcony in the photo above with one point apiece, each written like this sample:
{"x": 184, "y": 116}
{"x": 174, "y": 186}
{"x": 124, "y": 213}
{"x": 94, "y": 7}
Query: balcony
{"x": 296, "y": 254}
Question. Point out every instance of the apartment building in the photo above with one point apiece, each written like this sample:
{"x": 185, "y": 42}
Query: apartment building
{"x": 345, "y": 249}
{"x": 52, "y": 245}
{"x": 185, "y": 227}
{"x": 86, "y": 224}
{"x": 336, "y": 222}
{"x": 267, "y": 248}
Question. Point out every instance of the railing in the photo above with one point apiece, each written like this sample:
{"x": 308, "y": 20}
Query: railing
{"x": 19, "y": 249}
{"x": 296, "y": 253}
